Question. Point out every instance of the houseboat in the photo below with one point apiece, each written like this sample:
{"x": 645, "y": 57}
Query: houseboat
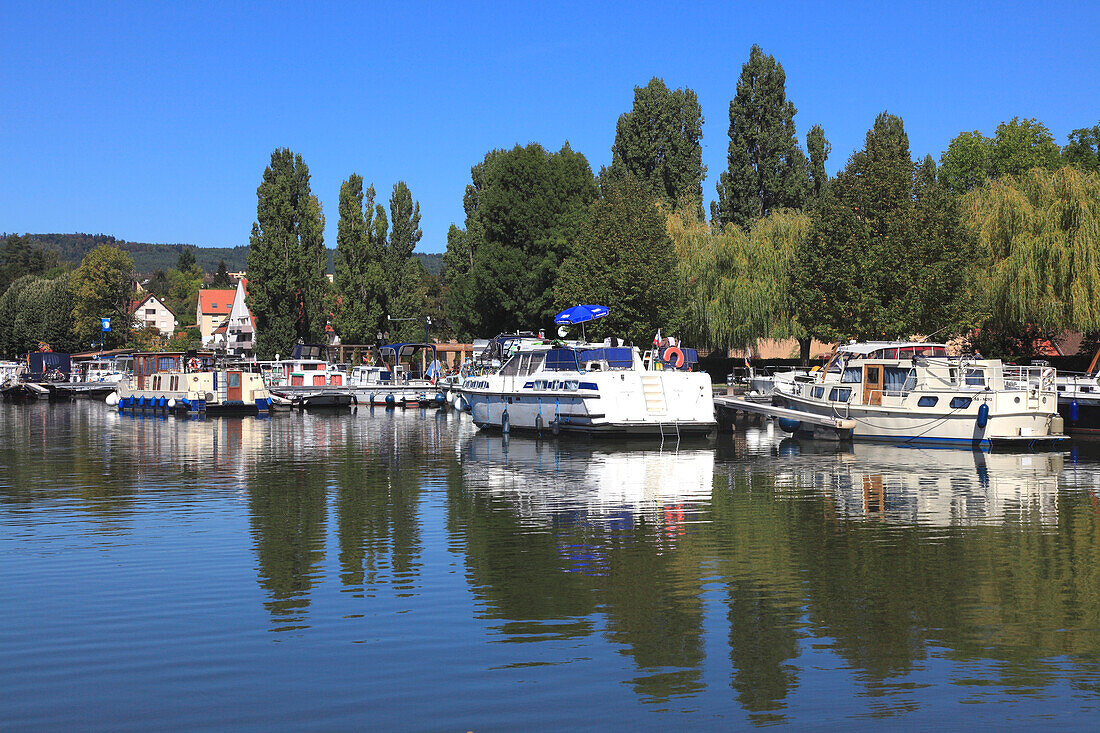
{"x": 398, "y": 374}
{"x": 190, "y": 383}
{"x": 593, "y": 388}
{"x": 914, "y": 392}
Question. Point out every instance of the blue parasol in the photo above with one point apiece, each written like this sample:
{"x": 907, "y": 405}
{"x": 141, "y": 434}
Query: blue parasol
{"x": 581, "y": 314}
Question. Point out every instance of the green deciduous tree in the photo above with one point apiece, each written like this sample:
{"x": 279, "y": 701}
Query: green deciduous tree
{"x": 887, "y": 255}
{"x": 1039, "y": 233}
{"x": 623, "y": 258}
{"x": 1083, "y": 149}
{"x": 37, "y": 310}
{"x": 398, "y": 272}
{"x": 766, "y": 169}
{"x": 658, "y": 142}
{"x": 523, "y": 208}
{"x": 359, "y": 280}
{"x": 102, "y": 288}
{"x": 1020, "y": 145}
{"x": 286, "y": 258}
{"x": 819, "y": 149}
{"x": 967, "y": 162}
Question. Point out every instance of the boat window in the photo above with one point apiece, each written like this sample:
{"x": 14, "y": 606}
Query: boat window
{"x": 1061, "y": 388}
{"x": 975, "y": 377}
{"x": 852, "y": 375}
{"x": 960, "y": 403}
{"x": 872, "y": 375}
{"x": 840, "y": 394}
{"x": 898, "y": 379}
{"x": 512, "y": 367}
{"x": 927, "y": 401}
{"x": 536, "y": 362}
{"x": 817, "y": 392}
{"x": 572, "y": 385}
{"x": 1086, "y": 388}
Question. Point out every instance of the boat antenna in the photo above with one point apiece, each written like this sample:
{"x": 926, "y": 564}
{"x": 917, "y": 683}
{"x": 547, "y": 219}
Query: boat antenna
{"x": 925, "y": 338}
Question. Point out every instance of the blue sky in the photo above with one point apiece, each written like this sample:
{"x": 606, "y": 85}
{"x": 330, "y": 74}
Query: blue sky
{"x": 153, "y": 122}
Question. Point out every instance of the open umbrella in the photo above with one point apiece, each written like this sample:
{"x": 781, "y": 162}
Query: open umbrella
{"x": 581, "y": 314}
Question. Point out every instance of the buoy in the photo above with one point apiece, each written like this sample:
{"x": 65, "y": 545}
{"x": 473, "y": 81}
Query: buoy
{"x": 505, "y": 423}
{"x": 555, "y": 427}
{"x": 538, "y": 423}
{"x": 112, "y": 399}
{"x": 673, "y": 353}
{"x": 983, "y": 414}
{"x": 390, "y": 400}
{"x": 789, "y": 425}
{"x": 1074, "y": 411}
{"x": 172, "y": 403}
{"x": 440, "y": 398}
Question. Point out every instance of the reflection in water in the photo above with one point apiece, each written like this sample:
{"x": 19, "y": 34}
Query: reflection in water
{"x": 752, "y": 578}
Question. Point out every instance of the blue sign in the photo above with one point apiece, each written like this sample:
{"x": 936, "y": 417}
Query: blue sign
{"x": 106, "y": 324}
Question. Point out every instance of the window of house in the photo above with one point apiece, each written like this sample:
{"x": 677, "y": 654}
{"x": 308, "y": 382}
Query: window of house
{"x": 150, "y": 311}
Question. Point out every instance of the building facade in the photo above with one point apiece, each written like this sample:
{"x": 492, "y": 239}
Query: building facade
{"x": 151, "y": 312}
{"x": 212, "y": 310}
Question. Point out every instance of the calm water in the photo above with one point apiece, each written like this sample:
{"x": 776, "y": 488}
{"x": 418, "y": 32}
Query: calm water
{"x": 400, "y": 570}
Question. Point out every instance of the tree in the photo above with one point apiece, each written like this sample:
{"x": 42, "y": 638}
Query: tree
{"x": 102, "y": 287}
{"x": 1020, "y": 145}
{"x": 286, "y": 258}
{"x": 819, "y": 149}
{"x": 523, "y": 208}
{"x": 1038, "y": 232}
{"x": 222, "y": 280}
{"x": 658, "y": 142}
{"x": 158, "y": 284}
{"x": 967, "y": 162}
{"x": 404, "y": 235}
{"x": 887, "y": 255}
{"x": 37, "y": 310}
{"x": 186, "y": 260}
{"x": 1083, "y": 149}
{"x": 623, "y": 258}
{"x": 19, "y": 257}
{"x": 737, "y": 286}
{"x": 359, "y": 280}
{"x": 766, "y": 169}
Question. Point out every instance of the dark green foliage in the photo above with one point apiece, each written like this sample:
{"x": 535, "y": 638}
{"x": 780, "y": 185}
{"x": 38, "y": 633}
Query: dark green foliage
{"x": 19, "y": 257}
{"x": 400, "y": 272}
{"x": 967, "y": 162}
{"x": 158, "y": 284}
{"x": 888, "y": 255}
{"x": 36, "y": 310}
{"x": 186, "y": 260}
{"x": 361, "y": 233}
{"x": 523, "y": 208}
{"x": 658, "y": 142}
{"x": 1083, "y": 149}
{"x": 767, "y": 170}
{"x": 286, "y": 258}
{"x": 221, "y": 280}
{"x": 819, "y": 149}
{"x": 71, "y": 248}
{"x": 623, "y": 258}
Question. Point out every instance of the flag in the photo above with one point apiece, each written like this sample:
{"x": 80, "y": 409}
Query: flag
{"x": 657, "y": 338}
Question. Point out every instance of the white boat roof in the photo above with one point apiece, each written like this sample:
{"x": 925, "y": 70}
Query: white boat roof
{"x": 868, "y": 347}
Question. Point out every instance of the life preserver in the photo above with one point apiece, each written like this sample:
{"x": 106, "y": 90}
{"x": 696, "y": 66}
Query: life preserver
{"x": 673, "y": 352}
{"x": 194, "y": 363}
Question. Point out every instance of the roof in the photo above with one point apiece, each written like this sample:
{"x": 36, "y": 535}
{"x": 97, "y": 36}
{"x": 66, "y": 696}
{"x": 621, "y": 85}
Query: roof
{"x": 866, "y": 347}
{"x": 216, "y": 301}
{"x": 133, "y": 305}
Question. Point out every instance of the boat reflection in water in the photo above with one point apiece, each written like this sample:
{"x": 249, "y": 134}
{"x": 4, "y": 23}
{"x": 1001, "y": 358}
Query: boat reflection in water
{"x": 580, "y": 479}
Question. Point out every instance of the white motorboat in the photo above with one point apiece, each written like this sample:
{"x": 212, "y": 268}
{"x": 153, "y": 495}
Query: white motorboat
{"x": 915, "y": 392}
{"x": 593, "y": 388}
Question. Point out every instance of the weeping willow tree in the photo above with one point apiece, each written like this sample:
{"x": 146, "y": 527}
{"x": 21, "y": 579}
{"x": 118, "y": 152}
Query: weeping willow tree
{"x": 736, "y": 285}
{"x": 1041, "y": 234}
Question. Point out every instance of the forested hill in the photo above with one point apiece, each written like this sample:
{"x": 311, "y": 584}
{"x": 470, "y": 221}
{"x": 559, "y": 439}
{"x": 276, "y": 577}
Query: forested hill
{"x": 151, "y": 257}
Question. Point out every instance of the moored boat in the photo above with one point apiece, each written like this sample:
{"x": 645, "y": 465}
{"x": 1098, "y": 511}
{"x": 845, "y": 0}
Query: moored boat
{"x": 914, "y": 392}
{"x": 177, "y": 382}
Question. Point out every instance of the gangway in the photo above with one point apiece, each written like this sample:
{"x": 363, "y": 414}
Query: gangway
{"x": 793, "y": 421}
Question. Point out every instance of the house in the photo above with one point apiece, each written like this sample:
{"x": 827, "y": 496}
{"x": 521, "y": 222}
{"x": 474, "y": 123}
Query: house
{"x": 212, "y": 309}
{"x": 151, "y": 312}
{"x": 236, "y": 335}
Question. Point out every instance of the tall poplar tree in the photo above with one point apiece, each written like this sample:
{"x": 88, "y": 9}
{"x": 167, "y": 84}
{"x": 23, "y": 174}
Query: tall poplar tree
{"x": 766, "y": 168}
{"x": 286, "y": 258}
{"x": 658, "y": 142}
{"x": 404, "y": 235}
{"x": 359, "y": 278}
{"x": 819, "y": 149}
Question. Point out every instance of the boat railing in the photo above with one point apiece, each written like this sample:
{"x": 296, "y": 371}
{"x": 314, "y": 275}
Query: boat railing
{"x": 1039, "y": 378}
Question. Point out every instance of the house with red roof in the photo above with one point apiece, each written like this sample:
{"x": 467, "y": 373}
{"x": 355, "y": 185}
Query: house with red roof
{"x": 213, "y": 308}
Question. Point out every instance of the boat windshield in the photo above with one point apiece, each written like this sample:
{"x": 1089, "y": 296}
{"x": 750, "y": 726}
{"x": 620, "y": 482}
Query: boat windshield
{"x": 577, "y": 359}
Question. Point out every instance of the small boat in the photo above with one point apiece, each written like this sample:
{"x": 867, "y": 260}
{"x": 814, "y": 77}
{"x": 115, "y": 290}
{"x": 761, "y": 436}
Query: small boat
{"x": 914, "y": 392}
{"x": 1079, "y": 400}
{"x": 406, "y": 374}
{"x": 35, "y": 378}
{"x": 185, "y": 383}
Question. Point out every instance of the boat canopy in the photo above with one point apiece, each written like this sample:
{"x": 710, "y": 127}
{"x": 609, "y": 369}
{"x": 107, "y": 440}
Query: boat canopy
{"x": 893, "y": 349}
{"x": 566, "y": 359}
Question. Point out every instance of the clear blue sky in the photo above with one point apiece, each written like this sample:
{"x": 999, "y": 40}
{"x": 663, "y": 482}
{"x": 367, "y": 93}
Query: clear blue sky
{"x": 154, "y": 123}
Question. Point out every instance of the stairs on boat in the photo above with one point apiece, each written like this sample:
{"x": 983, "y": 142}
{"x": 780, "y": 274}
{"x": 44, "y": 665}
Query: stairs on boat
{"x": 654, "y": 392}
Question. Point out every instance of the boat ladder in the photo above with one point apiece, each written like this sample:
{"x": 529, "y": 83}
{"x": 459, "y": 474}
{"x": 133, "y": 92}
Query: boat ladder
{"x": 669, "y": 430}
{"x": 654, "y": 392}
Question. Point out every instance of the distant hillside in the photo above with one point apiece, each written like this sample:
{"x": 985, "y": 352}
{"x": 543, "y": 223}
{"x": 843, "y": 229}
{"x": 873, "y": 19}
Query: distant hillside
{"x": 151, "y": 257}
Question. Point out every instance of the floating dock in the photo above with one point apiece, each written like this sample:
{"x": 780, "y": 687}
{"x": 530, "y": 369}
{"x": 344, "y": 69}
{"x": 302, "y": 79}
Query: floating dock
{"x": 792, "y": 421}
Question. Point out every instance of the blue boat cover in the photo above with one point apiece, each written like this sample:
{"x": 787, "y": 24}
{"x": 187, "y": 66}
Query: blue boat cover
{"x": 563, "y": 359}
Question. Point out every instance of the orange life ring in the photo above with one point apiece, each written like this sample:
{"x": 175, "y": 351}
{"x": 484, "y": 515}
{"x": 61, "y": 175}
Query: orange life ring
{"x": 674, "y": 352}
{"x": 195, "y": 364}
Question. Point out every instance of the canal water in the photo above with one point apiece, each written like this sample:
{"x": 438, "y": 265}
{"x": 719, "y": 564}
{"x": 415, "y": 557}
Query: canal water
{"x": 402, "y": 571}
